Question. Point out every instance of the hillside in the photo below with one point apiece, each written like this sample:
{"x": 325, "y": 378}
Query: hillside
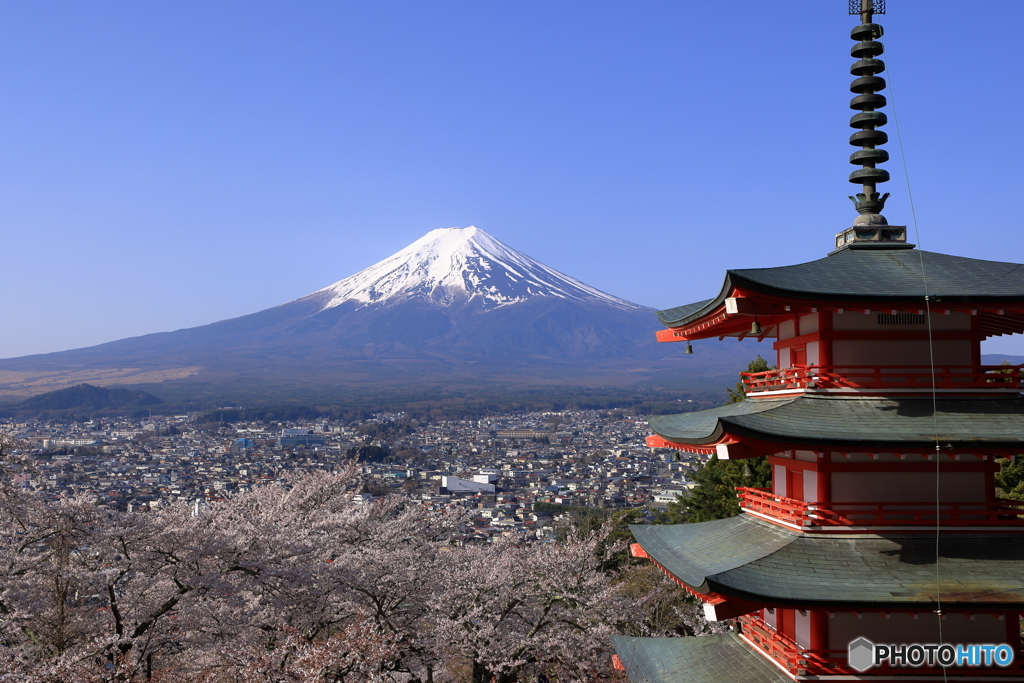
{"x": 86, "y": 398}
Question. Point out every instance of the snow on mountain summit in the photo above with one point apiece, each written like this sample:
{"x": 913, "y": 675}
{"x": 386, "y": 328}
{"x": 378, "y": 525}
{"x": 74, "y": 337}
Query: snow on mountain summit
{"x": 461, "y": 264}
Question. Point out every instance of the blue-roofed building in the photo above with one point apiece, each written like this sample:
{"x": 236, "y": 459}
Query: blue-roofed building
{"x": 242, "y": 445}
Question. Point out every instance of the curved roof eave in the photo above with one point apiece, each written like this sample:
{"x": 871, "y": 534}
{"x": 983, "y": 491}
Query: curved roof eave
{"x": 680, "y": 315}
{"x": 749, "y": 559}
{"x": 716, "y": 658}
{"x": 866, "y": 423}
{"x": 706, "y": 426}
{"x": 737, "y": 280}
{"x": 859, "y": 275}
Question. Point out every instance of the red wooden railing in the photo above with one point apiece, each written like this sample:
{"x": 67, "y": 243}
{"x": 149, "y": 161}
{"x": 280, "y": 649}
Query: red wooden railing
{"x": 780, "y": 507}
{"x": 784, "y": 649}
{"x": 1002, "y": 512}
{"x": 885, "y": 377}
{"x": 803, "y": 662}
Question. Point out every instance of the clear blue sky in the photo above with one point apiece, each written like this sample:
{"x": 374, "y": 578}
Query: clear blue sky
{"x": 169, "y": 164}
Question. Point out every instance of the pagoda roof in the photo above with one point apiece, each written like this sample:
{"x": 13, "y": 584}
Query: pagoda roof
{"x": 746, "y": 558}
{"x": 705, "y": 659}
{"x": 871, "y": 275}
{"x": 996, "y": 423}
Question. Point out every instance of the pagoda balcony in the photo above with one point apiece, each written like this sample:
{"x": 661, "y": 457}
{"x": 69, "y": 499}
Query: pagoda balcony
{"x": 824, "y": 516}
{"x": 805, "y": 662}
{"x": 885, "y": 379}
{"x": 785, "y": 651}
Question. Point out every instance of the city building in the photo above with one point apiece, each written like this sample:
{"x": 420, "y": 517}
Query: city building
{"x": 477, "y": 484}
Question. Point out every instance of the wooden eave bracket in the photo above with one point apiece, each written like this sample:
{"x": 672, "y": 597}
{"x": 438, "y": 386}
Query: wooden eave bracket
{"x": 729, "y": 447}
{"x": 722, "y": 608}
{"x": 698, "y": 329}
{"x": 741, "y": 304}
{"x": 730, "y": 319}
{"x": 745, "y": 303}
{"x": 734, "y": 447}
{"x": 734, "y": 450}
{"x": 636, "y": 550}
{"x": 736, "y": 305}
{"x": 671, "y": 335}
{"x": 656, "y": 441}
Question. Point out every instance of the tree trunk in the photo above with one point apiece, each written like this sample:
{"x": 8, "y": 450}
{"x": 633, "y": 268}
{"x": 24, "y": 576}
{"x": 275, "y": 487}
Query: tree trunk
{"x": 480, "y": 673}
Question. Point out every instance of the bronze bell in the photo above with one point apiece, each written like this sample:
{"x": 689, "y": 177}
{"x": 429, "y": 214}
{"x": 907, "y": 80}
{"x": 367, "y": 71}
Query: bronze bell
{"x": 755, "y": 328}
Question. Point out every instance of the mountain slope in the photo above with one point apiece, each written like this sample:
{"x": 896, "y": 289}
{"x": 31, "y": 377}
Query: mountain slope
{"x": 455, "y": 304}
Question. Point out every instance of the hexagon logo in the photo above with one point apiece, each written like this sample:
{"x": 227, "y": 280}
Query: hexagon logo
{"x": 861, "y": 654}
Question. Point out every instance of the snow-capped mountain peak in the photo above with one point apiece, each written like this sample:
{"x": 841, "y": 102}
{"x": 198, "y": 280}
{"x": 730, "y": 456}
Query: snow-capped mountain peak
{"x": 449, "y": 265}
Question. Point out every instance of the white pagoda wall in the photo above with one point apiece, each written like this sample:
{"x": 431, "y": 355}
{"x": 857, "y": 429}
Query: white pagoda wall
{"x": 899, "y": 351}
{"x": 779, "y": 480}
{"x": 879, "y": 352}
{"x": 787, "y": 330}
{"x": 857, "y": 321}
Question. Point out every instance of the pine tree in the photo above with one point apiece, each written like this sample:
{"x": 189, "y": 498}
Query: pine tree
{"x": 1010, "y": 478}
{"x": 740, "y": 392}
{"x": 714, "y": 496}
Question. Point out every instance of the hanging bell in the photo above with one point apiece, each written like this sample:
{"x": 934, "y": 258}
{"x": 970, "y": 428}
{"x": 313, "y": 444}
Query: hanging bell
{"x": 755, "y": 327}
{"x": 746, "y": 471}
{"x": 688, "y": 349}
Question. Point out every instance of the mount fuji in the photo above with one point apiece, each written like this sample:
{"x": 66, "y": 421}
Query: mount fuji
{"x": 454, "y": 266}
{"x": 455, "y": 305}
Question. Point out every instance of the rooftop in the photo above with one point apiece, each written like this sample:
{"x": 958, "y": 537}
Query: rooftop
{"x": 707, "y": 659}
{"x": 872, "y": 275}
{"x": 746, "y": 558}
{"x": 993, "y": 423}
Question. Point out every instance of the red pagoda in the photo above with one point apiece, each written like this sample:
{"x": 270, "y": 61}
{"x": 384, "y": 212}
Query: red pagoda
{"x": 881, "y": 551}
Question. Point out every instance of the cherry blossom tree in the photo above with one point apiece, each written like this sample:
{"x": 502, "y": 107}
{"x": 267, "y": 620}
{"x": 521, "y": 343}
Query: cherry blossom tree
{"x": 297, "y": 583}
{"x": 516, "y": 608}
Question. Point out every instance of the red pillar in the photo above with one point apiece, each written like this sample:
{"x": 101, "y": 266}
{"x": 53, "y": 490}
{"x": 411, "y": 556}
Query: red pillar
{"x": 819, "y": 630}
{"x": 824, "y": 482}
{"x": 975, "y": 343}
{"x": 795, "y": 484}
{"x": 825, "y": 343}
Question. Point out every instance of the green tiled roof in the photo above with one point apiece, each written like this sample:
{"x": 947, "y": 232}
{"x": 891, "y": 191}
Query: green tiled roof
{"x": 707, "y": 425}
{"x": 855, "y": 422}
{"x": 708, "y": 659}
{"x": 683, "y": 312}
{"x": 747, "y": 558}
{"x": 872, "y": 275}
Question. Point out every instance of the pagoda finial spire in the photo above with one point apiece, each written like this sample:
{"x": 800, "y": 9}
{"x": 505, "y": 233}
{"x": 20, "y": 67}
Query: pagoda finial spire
{"x": 867, "y": 101}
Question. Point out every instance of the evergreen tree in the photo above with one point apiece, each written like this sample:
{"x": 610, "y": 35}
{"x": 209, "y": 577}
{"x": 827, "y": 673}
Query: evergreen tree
{"x": 1010, "y": 478}
{"x": 740, "y": 392}
{"x": 714, "y": 496}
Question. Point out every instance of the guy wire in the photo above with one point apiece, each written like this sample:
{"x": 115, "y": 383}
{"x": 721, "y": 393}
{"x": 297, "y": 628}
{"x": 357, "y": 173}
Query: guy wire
{"x": 931, "y": 356}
